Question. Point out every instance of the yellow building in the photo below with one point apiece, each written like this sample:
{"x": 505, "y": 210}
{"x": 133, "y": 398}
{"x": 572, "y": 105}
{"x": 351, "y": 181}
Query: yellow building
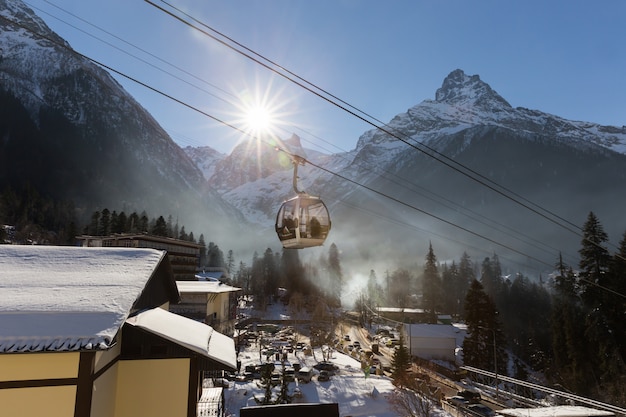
{"x": 209, "y": 301}
{"x": 82, "y": 335}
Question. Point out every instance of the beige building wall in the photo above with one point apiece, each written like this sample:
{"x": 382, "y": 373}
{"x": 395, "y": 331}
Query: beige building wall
{"x": 104, "y": 393}
{"x": 155, "y": 388}
{"x": 35, "y": 366}
{"x": 38, "y": 401}
{"x": 52, "y": 401}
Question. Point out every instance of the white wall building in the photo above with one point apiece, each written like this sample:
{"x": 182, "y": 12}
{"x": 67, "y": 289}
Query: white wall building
{"x": 431, "y": 341}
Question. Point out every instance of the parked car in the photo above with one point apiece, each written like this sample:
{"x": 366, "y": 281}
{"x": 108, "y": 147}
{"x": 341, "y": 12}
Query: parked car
{"x": 472, "y": 396}
{"x": 275, "y": 378}
{"x": 323, "y": 376}
{"x": 290, "y": 374}
{"x": 304, "y": 374}
{"x": 356, "y": 344}
{"x": 458, "y": 401}
{"x": 481, "y": 410}
{"x": 326, "y": 366}
{"x": 346, "y": 337}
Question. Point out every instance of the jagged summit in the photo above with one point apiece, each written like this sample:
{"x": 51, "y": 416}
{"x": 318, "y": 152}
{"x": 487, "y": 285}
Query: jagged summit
{"x": 459, "y": 88}
{"x": 18, "y": 12}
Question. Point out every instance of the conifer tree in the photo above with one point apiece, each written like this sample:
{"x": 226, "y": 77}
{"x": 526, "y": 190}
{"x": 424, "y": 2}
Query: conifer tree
{"x": 203, "y": 253}
{"x": 400, "y": 362}
{"x": 336, "y": 275}
{"x": 615, "y": 302}
{"x": 431, "y": 284}
{"x": 594, "y": 261}
{"x": 104, "y": 228}
{"x": 466, "y": 277}
{"x": 485, "y": 344}
{"x": 160, "y": 227}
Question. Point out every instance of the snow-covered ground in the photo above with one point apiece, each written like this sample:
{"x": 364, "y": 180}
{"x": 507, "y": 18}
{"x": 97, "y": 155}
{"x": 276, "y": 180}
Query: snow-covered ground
{"x": 355, "y": 394}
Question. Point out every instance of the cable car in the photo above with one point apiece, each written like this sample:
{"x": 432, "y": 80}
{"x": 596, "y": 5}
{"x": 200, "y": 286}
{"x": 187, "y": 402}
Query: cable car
{"x": 302, "y": 221}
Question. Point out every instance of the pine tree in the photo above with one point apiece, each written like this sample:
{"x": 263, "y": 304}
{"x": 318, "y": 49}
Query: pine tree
{"x": 203, "y": 253}
{"x": 400, "y": 362}
{"x": 122, "y": 221}
{"x": 568, "y": 333}
{"x": 594, "y": 261}
{"x": 230, "y": 262}
{"x": 491, "y": 277}
{"x": 160, "y": 227}
{"x": 431, "y": 284}
{"x": 450, "y": 286}
{"x": 104, "y": 228}
{"x": 615, "y": 303}
{"x": 336, "y": 276}
{"x": 400, "y": 288}
{"x": 484, "y": 346}
{"x": 466, "y": 277}
{"x": 94, "y": 226}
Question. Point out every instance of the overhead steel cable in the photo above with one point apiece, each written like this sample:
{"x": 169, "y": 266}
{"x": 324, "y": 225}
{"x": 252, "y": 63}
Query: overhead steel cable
{"x": 434, "y": 216}
{"x": 515, "y": 235}
{"x": 341, "y": 104}
{"x": 242, "y": 131}
{"x": 227, "y": 93}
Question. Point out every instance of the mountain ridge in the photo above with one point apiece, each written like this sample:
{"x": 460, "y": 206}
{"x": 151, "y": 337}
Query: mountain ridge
{"x": 70, "y": 129}
{"x": 73, "y": 132}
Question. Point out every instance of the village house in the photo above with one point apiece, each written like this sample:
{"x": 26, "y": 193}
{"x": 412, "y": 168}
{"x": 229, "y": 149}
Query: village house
{"x": 86, "y": 333}
{"x": 209, "y": 301}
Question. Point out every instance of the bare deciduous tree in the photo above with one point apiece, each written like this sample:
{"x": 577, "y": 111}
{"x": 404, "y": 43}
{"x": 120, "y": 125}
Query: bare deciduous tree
{"x": 409, "y": 403}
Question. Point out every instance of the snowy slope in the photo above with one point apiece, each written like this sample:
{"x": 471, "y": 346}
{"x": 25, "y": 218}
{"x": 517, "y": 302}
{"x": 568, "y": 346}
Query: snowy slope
{"x": 255, "y": 183}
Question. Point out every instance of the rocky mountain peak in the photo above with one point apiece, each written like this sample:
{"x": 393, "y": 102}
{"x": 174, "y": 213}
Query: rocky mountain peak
{"x": 18, "y": 12}
{"x": 459, "y": 88}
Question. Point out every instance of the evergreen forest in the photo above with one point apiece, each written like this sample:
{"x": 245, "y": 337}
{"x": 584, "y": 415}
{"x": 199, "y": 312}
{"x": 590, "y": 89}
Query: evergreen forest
{"x": 569, "y": 327}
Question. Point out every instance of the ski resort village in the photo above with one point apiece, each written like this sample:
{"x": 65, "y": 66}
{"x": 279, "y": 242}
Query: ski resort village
{"x": 268, "y": 208}
{"x": 108, "y": 331}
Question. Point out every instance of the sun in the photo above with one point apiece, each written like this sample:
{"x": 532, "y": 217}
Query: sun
{"x": 259, "y": 119}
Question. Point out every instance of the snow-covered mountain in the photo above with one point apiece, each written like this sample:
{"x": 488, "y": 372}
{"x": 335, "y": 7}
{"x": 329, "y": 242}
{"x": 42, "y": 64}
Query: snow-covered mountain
{"x": 465, "y": 170}
{"x": 410, "y": 180}
{"x": 71, "y": 131}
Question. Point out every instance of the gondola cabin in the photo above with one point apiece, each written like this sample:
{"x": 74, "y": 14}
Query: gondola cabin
{"x": 302, "y": 222}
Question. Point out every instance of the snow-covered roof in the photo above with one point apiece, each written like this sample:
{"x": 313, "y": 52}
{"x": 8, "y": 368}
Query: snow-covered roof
{"x": 400, "y": 310}
{"x": 211, "y": 287}
{"x": 191, "y": 334}
{"x": 431, "y": 330}
{"x": 556, "y": 411}
{"x": 64, "y": 298}
{"x": 210, "y": 275}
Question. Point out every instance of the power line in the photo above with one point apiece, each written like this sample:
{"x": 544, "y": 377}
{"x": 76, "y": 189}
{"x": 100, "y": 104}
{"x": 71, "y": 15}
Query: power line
{"x": 467, "y": 212}
{"x": 181, "y": 102}
{"x": 365, "y": 117}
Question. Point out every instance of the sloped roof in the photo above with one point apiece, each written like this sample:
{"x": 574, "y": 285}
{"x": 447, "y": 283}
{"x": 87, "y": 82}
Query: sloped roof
{"x": 210, "y": 287}
{"x": 63, "y": 298}
{"x": 193, "y": 335}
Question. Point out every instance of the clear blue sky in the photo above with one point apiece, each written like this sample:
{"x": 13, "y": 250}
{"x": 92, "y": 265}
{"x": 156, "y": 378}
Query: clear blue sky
{"x": 567, "y": 58}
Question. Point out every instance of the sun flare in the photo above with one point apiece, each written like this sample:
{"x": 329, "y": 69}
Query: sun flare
{"x": 259, "y": 119}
